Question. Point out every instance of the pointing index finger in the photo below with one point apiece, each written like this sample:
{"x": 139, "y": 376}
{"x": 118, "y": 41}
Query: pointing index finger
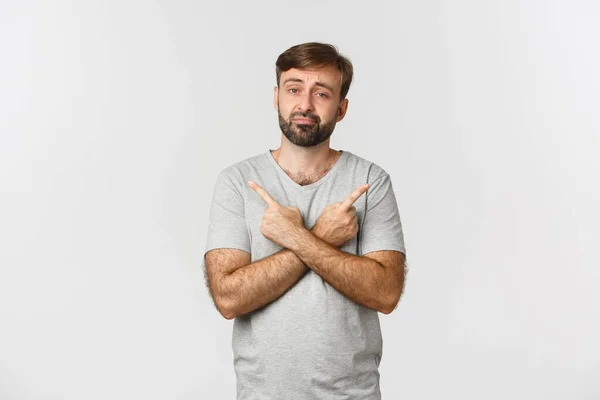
{"x": 263, "y": 194}
{"x": 355, "y": 195}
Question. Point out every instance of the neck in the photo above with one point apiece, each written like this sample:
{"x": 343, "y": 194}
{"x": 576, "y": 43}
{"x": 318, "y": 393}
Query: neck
{"x": 304, "y": 160}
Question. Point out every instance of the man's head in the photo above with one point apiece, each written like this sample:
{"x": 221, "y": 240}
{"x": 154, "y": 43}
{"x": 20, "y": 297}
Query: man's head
{"x": 313, "y": 80}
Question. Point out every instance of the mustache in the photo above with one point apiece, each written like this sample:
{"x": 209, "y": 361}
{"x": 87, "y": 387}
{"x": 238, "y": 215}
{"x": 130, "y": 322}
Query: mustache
{"x": 310, "y": 116}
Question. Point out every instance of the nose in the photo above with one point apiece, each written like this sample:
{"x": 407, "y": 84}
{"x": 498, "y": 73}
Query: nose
{"x": 305, "y": 103}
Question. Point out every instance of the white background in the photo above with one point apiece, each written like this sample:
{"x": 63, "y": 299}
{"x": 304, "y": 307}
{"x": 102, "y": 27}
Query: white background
{"x": 116, "y": 117}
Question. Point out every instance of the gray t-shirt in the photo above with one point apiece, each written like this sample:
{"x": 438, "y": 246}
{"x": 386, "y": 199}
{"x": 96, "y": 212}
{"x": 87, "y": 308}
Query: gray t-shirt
{"x": 312, "y": 342}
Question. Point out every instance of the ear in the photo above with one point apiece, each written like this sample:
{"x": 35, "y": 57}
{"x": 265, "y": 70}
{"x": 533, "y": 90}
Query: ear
{"x": 342, "y": 108}
{"x": 276, "y": 97}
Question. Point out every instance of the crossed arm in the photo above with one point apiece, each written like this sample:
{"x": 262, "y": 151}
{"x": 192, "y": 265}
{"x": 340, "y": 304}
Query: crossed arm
{"x": 238, "y": 286}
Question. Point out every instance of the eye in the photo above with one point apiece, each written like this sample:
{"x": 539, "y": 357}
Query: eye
{"x": 323, "y": 95}
{"x": 293, "y": 90}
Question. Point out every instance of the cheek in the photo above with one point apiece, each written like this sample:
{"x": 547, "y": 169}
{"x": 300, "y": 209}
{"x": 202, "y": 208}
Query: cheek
{"x": 284, "y": 109}
{"x": 284, "y": 113}
{"x": 330, "y": 114}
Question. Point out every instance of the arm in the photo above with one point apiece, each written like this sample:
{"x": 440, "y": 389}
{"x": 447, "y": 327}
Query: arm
{"x": 238, "y": 286}
{"x": 374, "y": 280}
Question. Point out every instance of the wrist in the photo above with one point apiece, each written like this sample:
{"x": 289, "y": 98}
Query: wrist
{"x": 298, "y": 239}
{"x": 315, "y": 231}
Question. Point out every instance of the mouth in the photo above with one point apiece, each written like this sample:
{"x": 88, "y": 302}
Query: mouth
{"x": 304, "y": 121}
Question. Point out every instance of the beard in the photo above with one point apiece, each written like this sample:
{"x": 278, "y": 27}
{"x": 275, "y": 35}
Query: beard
{"x": 303, "y": 134}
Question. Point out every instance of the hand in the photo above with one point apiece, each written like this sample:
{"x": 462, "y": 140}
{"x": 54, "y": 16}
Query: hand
{"x": 280, "y": 224}
{"x": 338, "y": 222}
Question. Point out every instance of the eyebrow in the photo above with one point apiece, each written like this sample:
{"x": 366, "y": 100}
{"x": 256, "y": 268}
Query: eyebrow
{"x": 321, "y": 84}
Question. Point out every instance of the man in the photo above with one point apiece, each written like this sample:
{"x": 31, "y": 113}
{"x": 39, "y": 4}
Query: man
{"x": 305, "y": 246}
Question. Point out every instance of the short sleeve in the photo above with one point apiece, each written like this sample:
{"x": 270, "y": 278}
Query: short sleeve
{"x": 381, "y": 228}
{"x": 227, "y": 222}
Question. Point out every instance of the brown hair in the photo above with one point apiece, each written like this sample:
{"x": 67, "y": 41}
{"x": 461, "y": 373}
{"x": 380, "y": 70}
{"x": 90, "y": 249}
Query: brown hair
{"x": 315, "y": 55}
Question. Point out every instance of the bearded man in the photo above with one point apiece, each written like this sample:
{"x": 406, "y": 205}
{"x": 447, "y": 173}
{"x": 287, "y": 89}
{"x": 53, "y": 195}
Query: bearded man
{"x": 305, "y": 247}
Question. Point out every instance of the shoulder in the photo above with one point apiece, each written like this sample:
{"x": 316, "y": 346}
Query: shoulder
{"x": 361, "y": 166}
{"x": 237, "y": 174}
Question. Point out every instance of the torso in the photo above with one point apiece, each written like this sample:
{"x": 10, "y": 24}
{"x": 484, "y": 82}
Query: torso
{"x": 313, "y": 342}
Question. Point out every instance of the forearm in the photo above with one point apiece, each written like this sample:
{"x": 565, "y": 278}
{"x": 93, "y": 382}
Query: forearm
{"x": 259, "y": 283}
{"x": 361, "y": 279}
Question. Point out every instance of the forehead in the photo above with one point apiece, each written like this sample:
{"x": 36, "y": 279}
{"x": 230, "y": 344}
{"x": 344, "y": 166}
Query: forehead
{"x": 329, "y": 75}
